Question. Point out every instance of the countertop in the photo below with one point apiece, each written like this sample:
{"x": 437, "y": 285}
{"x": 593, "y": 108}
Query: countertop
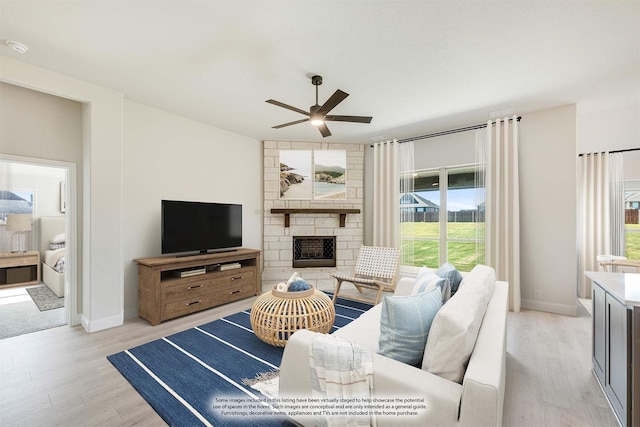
{"x": 625, "y": 287}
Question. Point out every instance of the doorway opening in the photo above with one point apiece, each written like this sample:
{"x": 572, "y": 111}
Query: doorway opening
{"x": 44, "y": 295}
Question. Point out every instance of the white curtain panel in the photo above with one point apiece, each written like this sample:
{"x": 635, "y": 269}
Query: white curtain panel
{"x": 386, "y": 195}
{"x": 499, "y": 146}
{"x": 407, "y": 168}
{"x": 616, "y": 194}
{"x": 601, "y": 220}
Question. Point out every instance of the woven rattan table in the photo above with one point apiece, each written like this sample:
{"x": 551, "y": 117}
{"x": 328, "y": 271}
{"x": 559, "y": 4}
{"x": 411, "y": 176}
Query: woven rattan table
{"x": 276, "y": 315}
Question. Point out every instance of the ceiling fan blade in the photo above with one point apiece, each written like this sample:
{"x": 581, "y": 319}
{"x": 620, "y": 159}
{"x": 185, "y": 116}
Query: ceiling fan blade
{"x": 288, "y": 107}
{"x": 337, "y": 97}
{"x": 324, "y": 130}
{"x": 291, "y": 123}
{"x": 355, "y": 119}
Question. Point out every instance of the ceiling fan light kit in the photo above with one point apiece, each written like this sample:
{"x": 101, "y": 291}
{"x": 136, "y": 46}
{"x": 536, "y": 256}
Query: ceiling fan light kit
{"x": 317, "y": 114}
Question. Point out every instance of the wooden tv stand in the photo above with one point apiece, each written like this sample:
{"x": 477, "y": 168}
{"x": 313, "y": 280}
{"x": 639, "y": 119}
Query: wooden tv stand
{"x": 163, "y": 294}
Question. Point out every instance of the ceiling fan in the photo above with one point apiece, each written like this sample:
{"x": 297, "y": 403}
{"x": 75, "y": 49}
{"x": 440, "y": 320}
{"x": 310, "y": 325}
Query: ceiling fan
{"x": 318, "y": 114}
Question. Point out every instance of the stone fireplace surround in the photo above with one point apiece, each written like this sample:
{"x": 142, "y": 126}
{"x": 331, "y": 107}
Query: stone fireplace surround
{"x": 278, "y": 239}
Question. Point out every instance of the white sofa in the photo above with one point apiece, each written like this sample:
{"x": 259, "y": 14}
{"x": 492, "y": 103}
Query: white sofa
{"x": 476, "y": 401}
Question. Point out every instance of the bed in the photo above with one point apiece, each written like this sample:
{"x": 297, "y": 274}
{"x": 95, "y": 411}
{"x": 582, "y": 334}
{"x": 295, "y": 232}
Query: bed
{"x": 52, "y": 252}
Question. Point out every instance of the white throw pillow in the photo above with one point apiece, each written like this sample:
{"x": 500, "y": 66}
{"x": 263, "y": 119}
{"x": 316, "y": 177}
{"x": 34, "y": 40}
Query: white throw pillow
{"x": 427, "y": 280}
{"x": 455, "y": 328}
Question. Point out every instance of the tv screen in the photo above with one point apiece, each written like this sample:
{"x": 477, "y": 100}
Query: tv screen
{"x": 198, "y": 226}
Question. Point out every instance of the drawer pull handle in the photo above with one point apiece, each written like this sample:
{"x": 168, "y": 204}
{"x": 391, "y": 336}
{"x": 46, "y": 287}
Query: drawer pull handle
{"x": 194, "y": 287}
{"x": 235, "y": 292}
{"x": 193, "y": 303}
{"x": 236, "y": 278}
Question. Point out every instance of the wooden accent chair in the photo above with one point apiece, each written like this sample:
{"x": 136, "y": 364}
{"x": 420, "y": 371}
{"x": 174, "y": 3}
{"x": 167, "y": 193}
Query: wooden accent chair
{"x": 614, "y": 263}
{"x": 376, "y": 269}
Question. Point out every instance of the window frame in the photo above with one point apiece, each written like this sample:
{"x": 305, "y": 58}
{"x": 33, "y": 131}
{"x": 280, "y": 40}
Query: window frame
{"x": 443, "y": 238}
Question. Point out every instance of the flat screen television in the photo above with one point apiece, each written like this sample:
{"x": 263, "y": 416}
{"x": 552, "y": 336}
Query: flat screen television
{"x": 200, "y": 227}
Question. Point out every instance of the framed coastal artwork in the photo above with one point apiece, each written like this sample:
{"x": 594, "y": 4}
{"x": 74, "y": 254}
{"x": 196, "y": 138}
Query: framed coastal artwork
{"x": 330, "y": 173}
{"x": 296, "y": 175}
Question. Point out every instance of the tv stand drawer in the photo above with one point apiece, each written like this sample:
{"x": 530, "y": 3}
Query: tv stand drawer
{"x": 163, "y": 294}
{"x": 210, "y": 282}
{"x": 202, "y": 302}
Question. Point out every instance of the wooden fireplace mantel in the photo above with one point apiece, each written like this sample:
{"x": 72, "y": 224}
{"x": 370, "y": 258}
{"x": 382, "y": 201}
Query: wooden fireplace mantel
{"x": 342, "y": 212}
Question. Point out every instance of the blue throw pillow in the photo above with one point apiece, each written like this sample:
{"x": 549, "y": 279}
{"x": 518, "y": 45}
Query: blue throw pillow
{"x": 427, "y": 280}
{"x": 405, "y": 324}
{"x": 298, "y": 285}
{"x": 449, "y": 271}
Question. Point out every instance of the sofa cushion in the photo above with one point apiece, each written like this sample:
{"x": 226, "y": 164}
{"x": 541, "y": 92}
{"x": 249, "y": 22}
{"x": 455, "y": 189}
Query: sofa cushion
{"x": 405, "y": 324}
{"x": 365, "y": 330}
{"x": 450, "y": 272}
{"x": 427, "y": 280}
{"x": 455, "y": 327}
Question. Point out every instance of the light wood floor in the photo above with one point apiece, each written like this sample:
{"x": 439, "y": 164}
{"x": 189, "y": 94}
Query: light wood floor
{"x": 62, "y": 377}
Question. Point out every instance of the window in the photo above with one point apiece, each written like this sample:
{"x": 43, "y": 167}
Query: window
{"x": 15, "y": 202}
{"x": 632, "y": 219}
{"x": 448, "y": 218}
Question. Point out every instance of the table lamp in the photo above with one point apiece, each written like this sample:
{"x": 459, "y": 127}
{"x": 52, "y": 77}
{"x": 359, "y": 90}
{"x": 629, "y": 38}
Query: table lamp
{"x": 19, "y": 224}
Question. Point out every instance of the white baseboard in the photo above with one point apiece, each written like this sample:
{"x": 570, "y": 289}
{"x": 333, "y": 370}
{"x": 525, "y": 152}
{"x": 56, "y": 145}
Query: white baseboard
{"x": 101, "y": 324}
{"x": 550, "y": 307}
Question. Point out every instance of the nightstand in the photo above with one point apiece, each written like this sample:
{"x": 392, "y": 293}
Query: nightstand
{"x": 19, "y": 268}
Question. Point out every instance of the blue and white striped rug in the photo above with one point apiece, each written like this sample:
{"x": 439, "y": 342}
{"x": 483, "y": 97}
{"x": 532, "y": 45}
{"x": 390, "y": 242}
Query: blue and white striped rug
{"x": 183, "y": 375}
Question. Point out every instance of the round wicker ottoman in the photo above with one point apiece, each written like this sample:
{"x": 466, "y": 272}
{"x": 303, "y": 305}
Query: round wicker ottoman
{"x": 275, "y": 315}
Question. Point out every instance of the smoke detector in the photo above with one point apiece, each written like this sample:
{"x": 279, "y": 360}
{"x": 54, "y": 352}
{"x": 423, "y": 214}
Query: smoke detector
{"x": 17, "y": 46}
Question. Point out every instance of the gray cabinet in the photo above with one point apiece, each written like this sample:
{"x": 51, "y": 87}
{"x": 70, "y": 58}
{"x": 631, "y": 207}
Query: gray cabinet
{"x": 612, "y": 351}
{"x": 599, "y": 327}
{"x": 617, "y": 384}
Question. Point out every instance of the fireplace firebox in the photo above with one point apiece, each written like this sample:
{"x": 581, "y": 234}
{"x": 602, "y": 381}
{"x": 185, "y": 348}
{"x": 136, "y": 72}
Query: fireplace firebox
{"x": 314, "y": 251}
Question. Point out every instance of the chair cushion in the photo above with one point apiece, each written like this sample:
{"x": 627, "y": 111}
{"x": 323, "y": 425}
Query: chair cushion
{"x": 449, "y": 271}
{"x": 404, "y": 325}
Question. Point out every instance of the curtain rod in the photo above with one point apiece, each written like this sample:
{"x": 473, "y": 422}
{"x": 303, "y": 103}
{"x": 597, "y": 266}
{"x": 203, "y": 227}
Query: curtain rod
{"x": 447, "y": 132}
{"x": 613, "y": 151}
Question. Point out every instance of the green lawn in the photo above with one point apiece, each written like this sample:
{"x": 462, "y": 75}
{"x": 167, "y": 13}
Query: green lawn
{"x": 463, "y": 255}
{"x": 632, "y": 241}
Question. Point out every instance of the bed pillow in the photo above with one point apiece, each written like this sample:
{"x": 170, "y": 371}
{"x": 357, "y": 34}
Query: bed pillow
{"x": 405, "y": 323}
{"x": 58, "y": 238}
{"x": 54, "y": 246}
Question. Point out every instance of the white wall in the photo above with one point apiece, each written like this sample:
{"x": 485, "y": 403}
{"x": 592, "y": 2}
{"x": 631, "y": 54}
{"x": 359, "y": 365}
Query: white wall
{"x": 548, "y": 200}
{"x": 102, "y": 273}
{"x": 612, "y": 122}
{"x": 165, "y": 156}
{"x": 449, "y": 150}
{"x": 171, "y": 157}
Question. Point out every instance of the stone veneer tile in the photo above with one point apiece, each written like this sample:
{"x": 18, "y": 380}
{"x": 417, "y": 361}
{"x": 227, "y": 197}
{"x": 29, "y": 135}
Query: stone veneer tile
{"x": 278, "y": 239}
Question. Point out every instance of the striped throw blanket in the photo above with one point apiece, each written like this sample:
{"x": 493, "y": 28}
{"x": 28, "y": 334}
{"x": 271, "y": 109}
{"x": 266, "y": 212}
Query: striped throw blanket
{"x": 340, "y": 371}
